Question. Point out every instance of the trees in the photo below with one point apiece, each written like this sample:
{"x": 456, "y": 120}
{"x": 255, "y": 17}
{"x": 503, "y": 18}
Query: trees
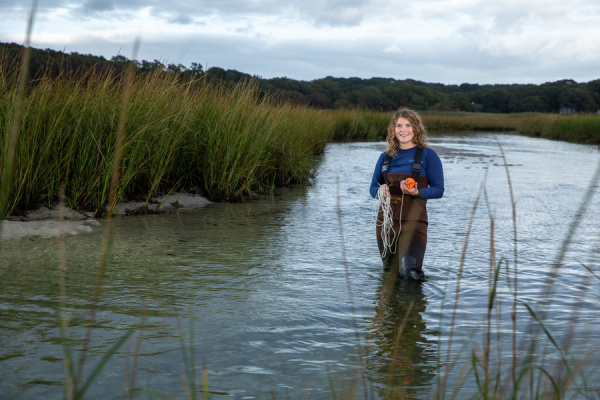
{"x": 593, "y": 88}
{"x": 377, "y": 93}
{"x": 456, "y": 101}
{"x": 147, "y": 66}
{"x": 196, "y": 69}
{"x": 495, "y": 101}
{"x": 176, "y": 69}
{"x": 577, "y": 99}
{"x": 120, "y": 59}
{"x": 530, "y": 104}
{"x": 371, "y": 98}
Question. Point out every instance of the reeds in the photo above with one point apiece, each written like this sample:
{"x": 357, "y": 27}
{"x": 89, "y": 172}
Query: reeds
{"x": 572, "y": 128}
{"x": 465, "y": 121}
{"x": 359, "y": 125}
{"x": 228, "y": 142}
{"x": 371, "y": 125}
{"x": 70, "y": 137}
{"x": 540, "y": 365}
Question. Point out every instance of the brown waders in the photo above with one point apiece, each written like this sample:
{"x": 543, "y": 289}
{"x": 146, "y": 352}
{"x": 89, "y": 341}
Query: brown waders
{"x": 409, "y": 249}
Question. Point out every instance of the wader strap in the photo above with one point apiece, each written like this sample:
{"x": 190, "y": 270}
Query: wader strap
{"x": 384, "y": 168}
{"x": 416, "y": 167}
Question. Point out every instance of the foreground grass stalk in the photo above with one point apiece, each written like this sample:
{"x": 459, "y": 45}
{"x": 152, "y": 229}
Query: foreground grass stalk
{"x": 15, "y": 117}
{"x": 189, "y": 374}
{"x": 107, "y": 237}
{"x": 62, "y": 287}
{"x": 515, "y": 267}
{"x": 589, "y": 270}
{"x": 455, "y": 310}
{"x": 492, "y": 281}
{"x": 361, "y": 350}
{"x": 112, "y": 197}
{"x": 205, "y": 381}
{"x": 136, "y": 354}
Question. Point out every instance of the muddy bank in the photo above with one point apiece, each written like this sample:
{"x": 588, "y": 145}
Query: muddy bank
{"x": 50, "y": 222}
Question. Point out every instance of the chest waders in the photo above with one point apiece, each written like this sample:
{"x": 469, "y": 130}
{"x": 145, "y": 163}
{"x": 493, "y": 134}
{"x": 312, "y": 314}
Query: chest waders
{"x": 410, "y": 220}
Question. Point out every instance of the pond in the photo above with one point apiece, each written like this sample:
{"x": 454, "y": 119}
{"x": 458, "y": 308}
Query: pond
{"x": 285, "y": 297}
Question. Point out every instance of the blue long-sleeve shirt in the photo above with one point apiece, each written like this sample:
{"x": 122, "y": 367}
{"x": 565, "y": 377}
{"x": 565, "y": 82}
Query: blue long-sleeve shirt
{"x": 431, "y": 166}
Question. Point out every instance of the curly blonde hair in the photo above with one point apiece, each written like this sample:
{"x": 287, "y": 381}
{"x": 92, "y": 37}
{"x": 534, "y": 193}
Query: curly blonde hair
{"x": 419, "y": 131}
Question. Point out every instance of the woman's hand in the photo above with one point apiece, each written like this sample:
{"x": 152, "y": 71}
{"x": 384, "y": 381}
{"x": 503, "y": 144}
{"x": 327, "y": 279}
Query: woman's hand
{"x": 386, "y": 190}
{"x": 411, "y": 192}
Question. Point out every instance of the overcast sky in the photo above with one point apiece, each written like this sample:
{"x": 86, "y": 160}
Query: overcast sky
{"x": 446, "y": 41}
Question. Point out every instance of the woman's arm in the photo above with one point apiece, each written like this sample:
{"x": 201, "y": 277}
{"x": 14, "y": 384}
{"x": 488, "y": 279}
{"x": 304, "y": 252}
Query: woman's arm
{"x": 377, "y": 178}
{"x": 435, "y": 176}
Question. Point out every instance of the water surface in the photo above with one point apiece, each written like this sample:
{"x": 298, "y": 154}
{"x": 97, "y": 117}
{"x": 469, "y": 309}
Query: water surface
{"x": 276, "y": 299}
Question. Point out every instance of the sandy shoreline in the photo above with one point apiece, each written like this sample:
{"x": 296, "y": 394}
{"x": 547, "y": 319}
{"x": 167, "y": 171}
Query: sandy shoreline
{"x": 49, "y": 222}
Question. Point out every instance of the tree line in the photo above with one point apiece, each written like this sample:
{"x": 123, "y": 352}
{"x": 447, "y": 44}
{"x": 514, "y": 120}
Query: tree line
{"x": 380, "y": 94}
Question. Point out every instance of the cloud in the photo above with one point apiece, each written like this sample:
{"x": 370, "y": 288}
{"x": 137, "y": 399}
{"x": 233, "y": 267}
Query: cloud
{"x": 317, "y": 12}
{"x": 450, "y": 41}
{"x": 393, "y": 49}
{"x": 98, "y": 5}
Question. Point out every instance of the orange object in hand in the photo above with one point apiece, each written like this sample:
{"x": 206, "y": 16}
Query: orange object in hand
{"x": 409, "y": 183}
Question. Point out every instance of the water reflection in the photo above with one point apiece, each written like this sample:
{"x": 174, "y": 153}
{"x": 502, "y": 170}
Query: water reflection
{"x": 400, "y": 360}
{"x": 264, "y": 291}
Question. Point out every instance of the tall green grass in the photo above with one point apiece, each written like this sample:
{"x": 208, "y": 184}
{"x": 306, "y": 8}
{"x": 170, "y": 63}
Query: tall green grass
{"x": 359, "y": 125}
{"x": 229, "y": 142}
{"x": 541, "y": 366}
{"x": 370, "y": 125}
{"x": 466, "y": 121}
{"x": 572, "y": 128}
{"x": 226, "y": 141}
{"x": 93, "y": 140}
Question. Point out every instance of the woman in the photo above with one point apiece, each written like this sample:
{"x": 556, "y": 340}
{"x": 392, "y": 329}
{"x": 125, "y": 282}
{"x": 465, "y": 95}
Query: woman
{"x": 406, "y": 139}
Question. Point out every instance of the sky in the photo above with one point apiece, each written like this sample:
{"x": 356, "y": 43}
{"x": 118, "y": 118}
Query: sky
{"x": 434, "y": 41}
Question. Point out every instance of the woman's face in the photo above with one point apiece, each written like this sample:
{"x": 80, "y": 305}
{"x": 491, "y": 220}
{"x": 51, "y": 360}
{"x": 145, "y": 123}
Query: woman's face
{"x": 404, "y": 133}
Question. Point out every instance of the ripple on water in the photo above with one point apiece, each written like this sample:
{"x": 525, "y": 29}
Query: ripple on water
{"x": 269, "y": 299}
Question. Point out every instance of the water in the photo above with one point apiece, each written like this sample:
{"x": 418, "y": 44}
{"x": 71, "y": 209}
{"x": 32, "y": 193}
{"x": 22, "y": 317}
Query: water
{"x": 268, "y": 301}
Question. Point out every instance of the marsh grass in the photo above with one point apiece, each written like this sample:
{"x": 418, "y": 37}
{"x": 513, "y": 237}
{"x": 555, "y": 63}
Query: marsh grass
{"x": 541, "y": 366}
{"x": 177, "y": 134}
{"x": 572, "y": 128}
{"x": 371, "y": 125}
{"x": 228, "y": 142}
{"x": 13, "y": 104}
{"x": 463, "y": 121}
{"x": 92, "y": 140}
{"x": 359, "y": 125}
{"x": 364, "y": 125}
{"x": 534, "y": 368}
